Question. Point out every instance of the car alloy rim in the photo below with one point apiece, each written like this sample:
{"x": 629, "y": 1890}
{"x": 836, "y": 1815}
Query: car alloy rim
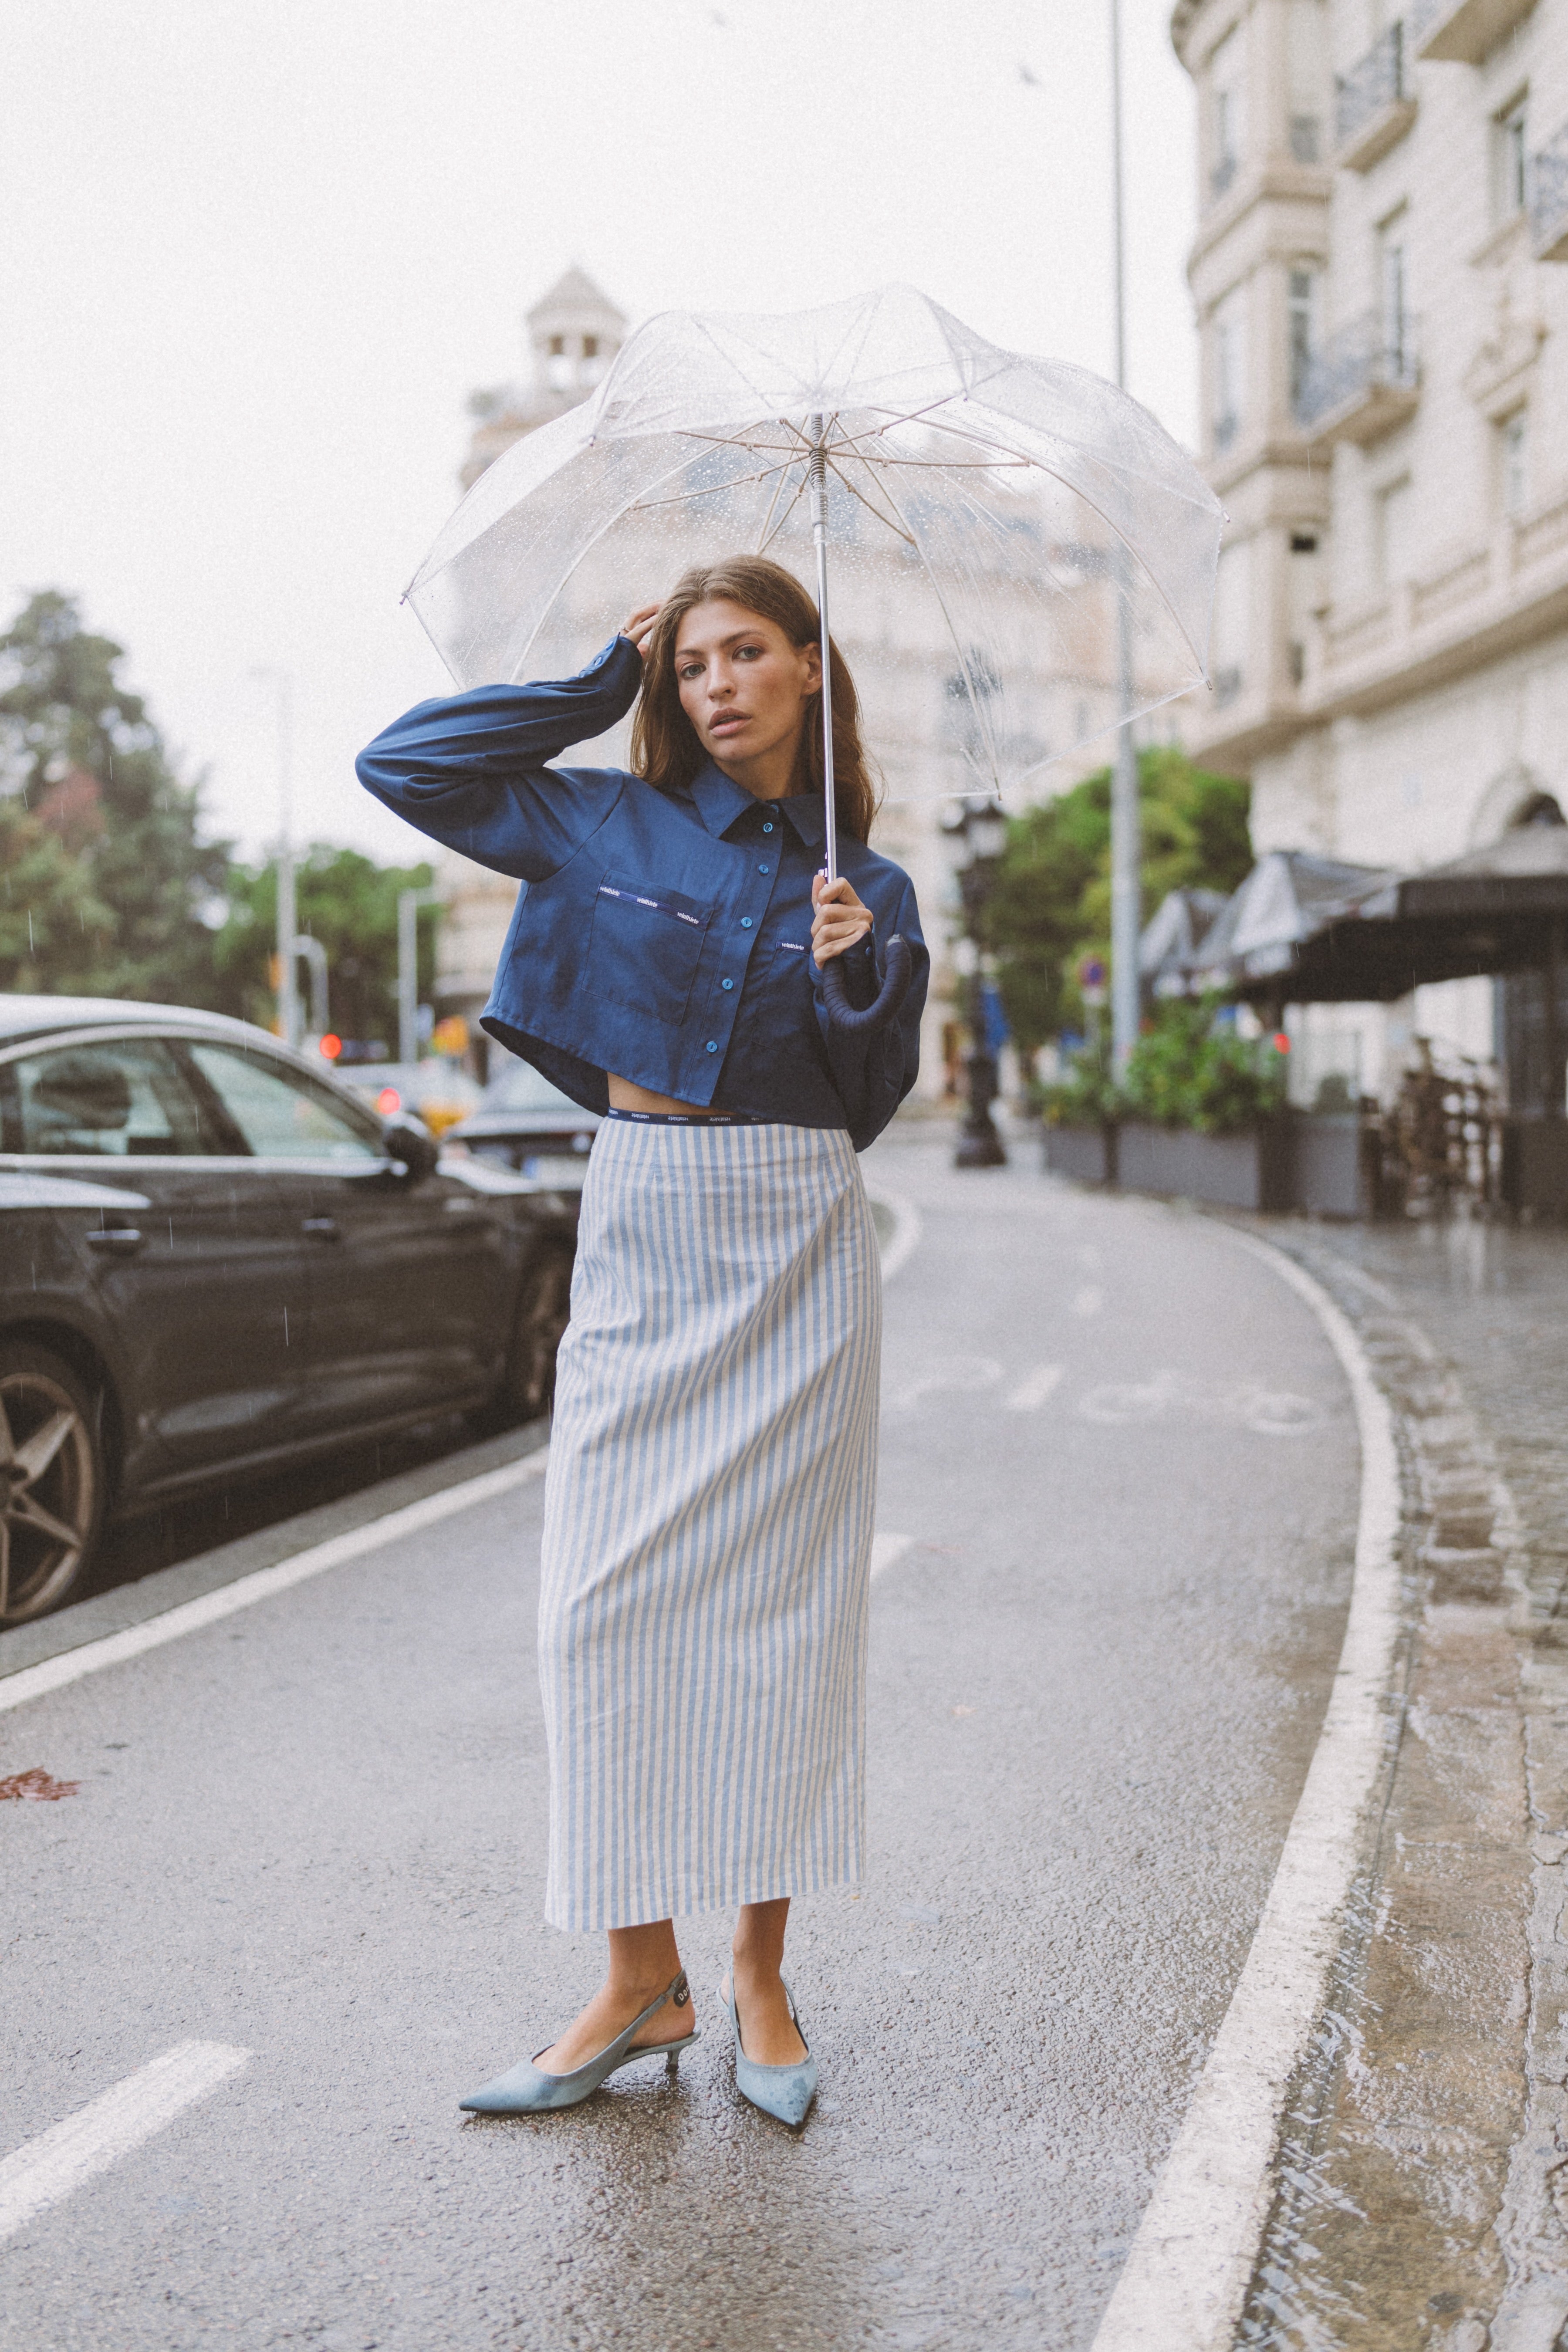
{"x": 47, "y": 1490}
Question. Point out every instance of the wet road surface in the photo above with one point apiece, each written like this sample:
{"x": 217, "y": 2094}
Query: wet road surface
{"x": 1118, "y": 1485}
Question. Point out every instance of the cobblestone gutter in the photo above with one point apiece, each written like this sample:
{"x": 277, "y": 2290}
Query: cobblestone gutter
{"x": 1422, "y": 2193}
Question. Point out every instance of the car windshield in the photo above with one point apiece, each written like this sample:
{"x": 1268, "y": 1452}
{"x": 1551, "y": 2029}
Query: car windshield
{"x": 521, "y": 1087}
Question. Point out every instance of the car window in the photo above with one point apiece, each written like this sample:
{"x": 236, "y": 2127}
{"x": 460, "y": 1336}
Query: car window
{"x": 120, "y": 1098}
{"x": 281, "y": 1113}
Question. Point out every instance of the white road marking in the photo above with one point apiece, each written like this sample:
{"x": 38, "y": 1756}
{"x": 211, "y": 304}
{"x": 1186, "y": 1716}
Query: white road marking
{"x": 887, "y": 1551}
{"x": 191, "y": 1616}
{"x": 1089, "y": 1300}
{"x": 1034, "y": 1389}
{"x": 906, "y": 1230}
{"x": 60, "y": 2160}
{"x": 1186, "y": 2274}
{"x": 1269, "y": 1412}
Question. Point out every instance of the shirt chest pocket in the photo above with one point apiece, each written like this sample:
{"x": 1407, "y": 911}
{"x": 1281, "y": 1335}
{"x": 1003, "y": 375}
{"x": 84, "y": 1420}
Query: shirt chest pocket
{"x": 645, "y": 946}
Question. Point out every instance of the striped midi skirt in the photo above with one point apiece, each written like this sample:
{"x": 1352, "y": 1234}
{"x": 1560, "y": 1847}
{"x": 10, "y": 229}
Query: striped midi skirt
{"x": 708, "y": 1519}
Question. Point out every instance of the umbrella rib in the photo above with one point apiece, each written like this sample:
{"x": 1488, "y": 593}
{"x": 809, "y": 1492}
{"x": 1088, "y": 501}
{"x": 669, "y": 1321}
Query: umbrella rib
{"x": 889, "y": 522}
{"x": 770, "y": 528}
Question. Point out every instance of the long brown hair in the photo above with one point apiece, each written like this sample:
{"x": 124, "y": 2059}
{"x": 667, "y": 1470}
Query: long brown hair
{"x": 665, "y": 746}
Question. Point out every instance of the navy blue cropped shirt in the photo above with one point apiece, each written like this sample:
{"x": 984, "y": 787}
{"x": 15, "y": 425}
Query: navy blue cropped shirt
{"x": 664, "y": 936}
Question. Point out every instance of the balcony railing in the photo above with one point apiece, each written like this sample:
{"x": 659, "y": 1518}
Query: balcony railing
{"x": 1362, "y": 381}
{"x": 1374, "y": 103}
{"x": 1549, "y": 200}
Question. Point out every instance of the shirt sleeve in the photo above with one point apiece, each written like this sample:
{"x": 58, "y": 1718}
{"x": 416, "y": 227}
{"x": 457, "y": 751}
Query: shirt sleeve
{"x": 874, "y": 1072}
{"x": 469, "y": 770}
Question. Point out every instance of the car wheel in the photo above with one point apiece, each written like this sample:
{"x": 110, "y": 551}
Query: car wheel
{"x": 52, "y": 1482}
{"x": 543, "y": 1310}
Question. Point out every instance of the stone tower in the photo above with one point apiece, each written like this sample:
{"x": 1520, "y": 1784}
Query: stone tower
{"x": 574, "y": 333}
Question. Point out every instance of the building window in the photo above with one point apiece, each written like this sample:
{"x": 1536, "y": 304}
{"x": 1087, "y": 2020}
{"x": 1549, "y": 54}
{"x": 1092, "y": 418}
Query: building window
{"x": 1226, "y": 112}
{"x": 1232, "y": 620}
{"x": 1228, "y": 363}
{"x": 1513, "y": 462}
{"x": 1391, "y": 533}
{"x": 1391, "y": 297}
{"x": 1511, "y": 152}
{"x": 1301, "y": 305}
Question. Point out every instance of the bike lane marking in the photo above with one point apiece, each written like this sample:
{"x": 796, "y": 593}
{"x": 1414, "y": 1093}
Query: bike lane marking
{"x": 47, "y": 2170}
{"x": 191, "y": 1616}
{"x": 1184, "y": 2282}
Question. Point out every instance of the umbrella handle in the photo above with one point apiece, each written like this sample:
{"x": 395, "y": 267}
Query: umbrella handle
{"x": 861, "y": 1020}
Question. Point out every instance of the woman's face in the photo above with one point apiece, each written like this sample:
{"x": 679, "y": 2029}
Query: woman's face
{"x": 743, "y": 685}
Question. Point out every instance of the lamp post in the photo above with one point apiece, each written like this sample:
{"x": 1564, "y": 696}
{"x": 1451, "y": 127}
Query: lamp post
{"x": 288, "y": 989}
{"x": 1126, "y": 846}
{"x": 408, "y": 905}
{"x": 982, "y": 830}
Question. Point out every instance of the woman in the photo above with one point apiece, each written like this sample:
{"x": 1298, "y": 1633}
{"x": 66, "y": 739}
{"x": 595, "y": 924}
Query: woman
{"x": 713, "y": 1465}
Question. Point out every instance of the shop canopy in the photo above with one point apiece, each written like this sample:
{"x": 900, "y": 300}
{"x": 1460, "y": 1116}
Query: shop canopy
{"x": 1303, "y": 930}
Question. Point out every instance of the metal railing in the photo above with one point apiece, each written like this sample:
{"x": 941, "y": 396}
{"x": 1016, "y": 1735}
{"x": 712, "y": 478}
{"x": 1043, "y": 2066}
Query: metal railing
{"x": 1548, "y": 191}
{"x": 1381, "y": 80}
{"x": 1373, "y": 353}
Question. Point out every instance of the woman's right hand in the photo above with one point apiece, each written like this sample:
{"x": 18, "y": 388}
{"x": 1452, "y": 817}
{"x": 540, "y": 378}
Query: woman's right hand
{"x": 639, "y": 626}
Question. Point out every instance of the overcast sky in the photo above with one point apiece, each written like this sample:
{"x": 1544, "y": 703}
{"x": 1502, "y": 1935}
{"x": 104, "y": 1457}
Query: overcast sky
{"x": 257, "y": 253}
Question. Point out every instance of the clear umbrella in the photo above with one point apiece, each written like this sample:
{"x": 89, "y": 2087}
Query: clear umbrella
{"x": 1022, "y": 557}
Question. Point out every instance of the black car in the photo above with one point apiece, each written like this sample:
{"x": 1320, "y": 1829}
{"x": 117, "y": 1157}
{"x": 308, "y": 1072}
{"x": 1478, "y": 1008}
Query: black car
{"x": 215, "y": 1259}
{"x": 524, "y": 1122}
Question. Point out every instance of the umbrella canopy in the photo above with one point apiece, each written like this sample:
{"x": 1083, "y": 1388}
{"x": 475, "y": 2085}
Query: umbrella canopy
{"x": 1172, "y": 936}
{"x": 1291, "y": 898}
{"x": 1503, "y": 908}
{"x": 1022, "y": 557}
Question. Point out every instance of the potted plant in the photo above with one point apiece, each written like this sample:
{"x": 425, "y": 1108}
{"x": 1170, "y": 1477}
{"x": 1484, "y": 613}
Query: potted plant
{"x": 1081, "y": 1115}
{"x": 1202, "y": 1117}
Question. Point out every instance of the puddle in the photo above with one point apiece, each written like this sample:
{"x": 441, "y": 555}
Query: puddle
{"x": 37, "y": 1786}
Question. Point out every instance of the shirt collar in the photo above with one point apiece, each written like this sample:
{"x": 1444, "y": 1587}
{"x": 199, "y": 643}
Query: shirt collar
{"x": 720, "y": 802}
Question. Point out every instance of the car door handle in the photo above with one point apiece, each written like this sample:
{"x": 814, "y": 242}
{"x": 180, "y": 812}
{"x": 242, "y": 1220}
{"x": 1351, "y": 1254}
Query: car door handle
{"x": 320, "y": 1229}
{"x": 117, "y": 1241}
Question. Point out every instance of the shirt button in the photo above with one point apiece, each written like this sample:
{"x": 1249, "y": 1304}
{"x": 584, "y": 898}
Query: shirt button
{"x": 767, "y": 828}
{"x": 726, "y": 983}
{"x": 762, "y": 869}
{"x": 746, "y": 922}
{"x": 713, "y": 1045}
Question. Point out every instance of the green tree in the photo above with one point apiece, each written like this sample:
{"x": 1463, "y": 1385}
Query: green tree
{"x": 80, "y": 758}
{"x": 49, "y": 915}
{"x": 1051, "y": 903}
{"x": 348, "y": 902}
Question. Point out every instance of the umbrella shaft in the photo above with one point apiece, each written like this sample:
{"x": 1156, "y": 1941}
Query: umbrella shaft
{"x": 818, "y": 428}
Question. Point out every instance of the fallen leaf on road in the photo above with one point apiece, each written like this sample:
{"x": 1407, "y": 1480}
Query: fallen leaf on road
{"x": 38, "y": 1786}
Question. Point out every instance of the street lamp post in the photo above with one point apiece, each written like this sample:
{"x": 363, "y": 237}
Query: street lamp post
{"x": 982, "y": 830}
{"x": 1126, "y": 845}
{"x": 408, "y": 905}
{"x": 288, "y": 989}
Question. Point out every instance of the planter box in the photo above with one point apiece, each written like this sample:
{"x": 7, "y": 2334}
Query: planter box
{"x": 1535, "y": 1165}
{"x": 1331, "y": 1165}
{"x": 1233, "y": 1172}
{"x": 1085, "y": 1154}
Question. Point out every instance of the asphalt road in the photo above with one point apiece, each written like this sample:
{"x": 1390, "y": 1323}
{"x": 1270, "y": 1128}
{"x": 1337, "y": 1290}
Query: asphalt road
{"x": 1124, "y": 1463}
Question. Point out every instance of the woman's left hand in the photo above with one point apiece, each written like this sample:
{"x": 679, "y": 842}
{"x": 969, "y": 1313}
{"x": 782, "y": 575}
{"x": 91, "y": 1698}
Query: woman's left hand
{"x": 839, "y": 919}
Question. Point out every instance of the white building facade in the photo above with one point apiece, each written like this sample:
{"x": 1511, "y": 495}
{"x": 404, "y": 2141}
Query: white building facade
{"x": 1381, "y": 279}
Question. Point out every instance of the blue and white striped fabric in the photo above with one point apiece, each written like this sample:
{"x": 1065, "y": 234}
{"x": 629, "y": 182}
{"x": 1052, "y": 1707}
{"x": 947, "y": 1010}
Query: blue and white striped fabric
{"x": 708, "y": 1522}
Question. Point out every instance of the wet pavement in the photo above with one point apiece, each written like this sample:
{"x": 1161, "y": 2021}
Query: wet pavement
{"x": 1421, "y": 2179}
{"x": 1119, "y": 1489}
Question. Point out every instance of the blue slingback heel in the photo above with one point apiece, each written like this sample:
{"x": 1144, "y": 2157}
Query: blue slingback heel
{"x": 785, "y": 2092}
{"x": 524, "y": 2091}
